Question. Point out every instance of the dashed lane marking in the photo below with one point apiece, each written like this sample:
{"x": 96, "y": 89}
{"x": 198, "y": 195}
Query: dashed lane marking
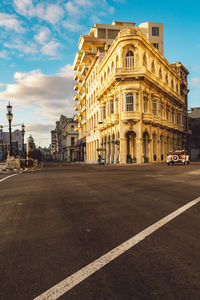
{"x": 10, "y": 176}
{"x": 67, "y": 284}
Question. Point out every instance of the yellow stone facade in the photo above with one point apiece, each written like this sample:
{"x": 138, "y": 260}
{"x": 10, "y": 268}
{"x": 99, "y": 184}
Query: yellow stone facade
{"x": 131, "y": 102}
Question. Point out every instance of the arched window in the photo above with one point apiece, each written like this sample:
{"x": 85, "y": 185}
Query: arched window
{"x": 178, "y": 143}
{"x": 72, "y": 141}
{"x": 177, "y": 88}
{"x": 72, "y": 128}
{"x": 104, "y": 76}
{"x": 94, "y": 121}
{"x": 111, "y": 107}
{"x": 173, "y": 143}
{"x": 108, "y": 71}
{"x": 129, "y": 102}
{"x": 154, "y": 147}
{"x": 129, "y": 59}
{"x": 160, "y": 73}
{"x": 161, "y": 146}
{"x": 166, "y": 79}
{"x": 154, "y": 107}
{"x": 117, "y": 62}
{"x": 153, "y": 67}
{"x": 112, "y": 66}
{"x": 101, "y": 80}
{"x": 144, "y": 60}
{"x": 168, "y": 143}
{"x": 145, "y": 99}
{"x": 172, "y": 84}
{"x": 145, "y": 144}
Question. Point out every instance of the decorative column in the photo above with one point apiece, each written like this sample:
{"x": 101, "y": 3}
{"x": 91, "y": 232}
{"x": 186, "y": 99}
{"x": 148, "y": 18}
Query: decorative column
{"x": 138, "y": 141}
{"x": 123, "y": 150}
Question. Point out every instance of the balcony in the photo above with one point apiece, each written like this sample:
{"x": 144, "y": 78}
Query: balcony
{"x": 87, "y": 56}
{"x": 156, "y": 120}
{"x": 83, "y": 96}
{"x": 147, "y": 118}
{"x": 76, "y": 97}
{"x": 101, "y": 127}
{"x": 80, "y": 79}
{"x": 180, "y": 127}
{"x": 115, "y": 118}
{"x": 84, "y": 70}
{"x": 83, "y": 83}
{"x": 76, "y": 76}
{"x": 130, "y": 116}
{"x": 76, "y": 87}
{"x": 164, "y": 123}
{"x": 76, "y": 118}
{"x": 76, "y": 108}
{"x": 83, "y": 121}
{"x": 82, "y": 110}
{"x": 170, "y": 125}
{"x": 129, "y": 71}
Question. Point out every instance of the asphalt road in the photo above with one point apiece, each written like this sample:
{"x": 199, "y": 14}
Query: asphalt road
{"x": 60, "y": 218}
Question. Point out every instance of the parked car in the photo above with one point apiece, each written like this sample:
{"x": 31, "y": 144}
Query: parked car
{"x": 178, "y": 156}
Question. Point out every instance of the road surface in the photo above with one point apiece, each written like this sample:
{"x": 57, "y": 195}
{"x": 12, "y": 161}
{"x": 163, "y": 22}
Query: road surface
{"x": 59, "y": 219}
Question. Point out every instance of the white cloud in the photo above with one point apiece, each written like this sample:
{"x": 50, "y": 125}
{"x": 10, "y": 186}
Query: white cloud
{"x": 10, "y": 22}
{"x": 52, "y": 13}
{"x": 85, "y": 9}
{"x": 52, "y": 95}
{"x": 50, "y": 48}
{"x": 195, "y": 81}
{"x": 29, "y": 48}
{"x": 72, "y": 9}
{"x": 43, "y": 35}
{"x": 74, "y": 27}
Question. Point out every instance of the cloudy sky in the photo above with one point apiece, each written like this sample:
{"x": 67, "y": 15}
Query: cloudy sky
{"x": 39, "y": 42}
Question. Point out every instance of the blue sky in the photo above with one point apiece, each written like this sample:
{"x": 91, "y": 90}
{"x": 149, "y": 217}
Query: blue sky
{"x": 39, "y": 42}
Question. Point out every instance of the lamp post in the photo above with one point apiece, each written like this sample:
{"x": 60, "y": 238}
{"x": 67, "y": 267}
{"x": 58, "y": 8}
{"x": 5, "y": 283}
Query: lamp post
{"x": 23, "y": 133}
{"x": 9, "y": 117}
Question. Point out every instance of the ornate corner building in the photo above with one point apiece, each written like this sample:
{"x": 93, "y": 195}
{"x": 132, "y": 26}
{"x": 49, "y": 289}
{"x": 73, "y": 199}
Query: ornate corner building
{"x": 131, "y": 102}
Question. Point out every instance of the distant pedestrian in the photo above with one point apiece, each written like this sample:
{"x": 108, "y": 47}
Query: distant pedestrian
{"x": 99, "y": 159}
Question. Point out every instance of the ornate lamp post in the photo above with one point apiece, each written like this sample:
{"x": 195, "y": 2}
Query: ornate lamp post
{"x": 23, "y": 133}
{"x": 9, "y": 117}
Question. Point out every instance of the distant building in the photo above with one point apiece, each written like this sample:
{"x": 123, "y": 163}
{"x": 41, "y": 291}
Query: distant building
{"x": 53, "y": 144}
{"x": 17, "y": 142}
{"x": 70, "y": 139}
{"x": 63, "y": 139}
{"x": 59, "y": 137}
{"x": 30, "y": 145}
{"x": 194, "y": 136}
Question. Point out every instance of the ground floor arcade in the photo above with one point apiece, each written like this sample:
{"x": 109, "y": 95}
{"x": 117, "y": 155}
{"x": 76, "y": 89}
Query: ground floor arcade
{"x": 134, "y": 144}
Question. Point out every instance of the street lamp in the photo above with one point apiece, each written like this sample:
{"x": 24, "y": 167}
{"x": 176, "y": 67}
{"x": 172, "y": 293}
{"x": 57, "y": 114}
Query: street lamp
{"x": 23, "y": 133}
{"x": 9, "y": 117}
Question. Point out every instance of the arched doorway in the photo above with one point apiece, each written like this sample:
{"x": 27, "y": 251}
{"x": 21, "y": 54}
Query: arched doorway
{"x": 161, "y": 147}
{"x": 131, "y": 147}
{"x": 145, "y": 140}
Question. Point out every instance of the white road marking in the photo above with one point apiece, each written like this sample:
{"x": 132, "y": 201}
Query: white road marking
{"x": 67, "y": 284}
{"x": 9, "y": 176}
